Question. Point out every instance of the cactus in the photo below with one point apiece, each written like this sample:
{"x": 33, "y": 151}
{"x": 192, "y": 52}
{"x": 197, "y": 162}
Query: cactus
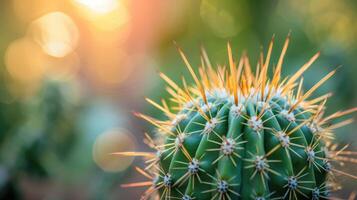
{"x": 236, "y": 134}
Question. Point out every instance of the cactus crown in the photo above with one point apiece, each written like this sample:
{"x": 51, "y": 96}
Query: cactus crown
{"x": 236, "y": 134}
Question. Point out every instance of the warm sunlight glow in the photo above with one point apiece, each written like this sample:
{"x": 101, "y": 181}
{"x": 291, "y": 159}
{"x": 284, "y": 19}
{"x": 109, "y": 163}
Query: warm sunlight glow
{"x": 99, "y": 6}
{"x": 105, "y": 15}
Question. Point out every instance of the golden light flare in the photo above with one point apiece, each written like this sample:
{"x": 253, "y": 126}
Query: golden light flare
{"x": 56, "y": 33}
{"x": 46, "y": 51}
{"x": 115, "y": 140}
{"x": 105, "y": 15}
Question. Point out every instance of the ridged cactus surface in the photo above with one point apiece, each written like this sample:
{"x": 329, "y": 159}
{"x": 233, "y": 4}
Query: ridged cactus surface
{"x": 236, "y": 134}
{"x": 255, "y": 149}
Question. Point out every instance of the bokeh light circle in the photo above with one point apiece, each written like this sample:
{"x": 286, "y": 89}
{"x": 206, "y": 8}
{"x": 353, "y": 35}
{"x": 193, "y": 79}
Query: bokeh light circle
{"x": 25, "y": 61}
{"x": 115, "y": 140}
{"x": 56, "y": 33}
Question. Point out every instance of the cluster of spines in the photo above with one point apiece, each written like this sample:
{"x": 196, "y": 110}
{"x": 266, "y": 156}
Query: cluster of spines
{"x": 261, "y": 105}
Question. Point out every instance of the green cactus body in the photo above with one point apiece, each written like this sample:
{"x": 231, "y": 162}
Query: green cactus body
{"x": 239, "y": 135}
{"x": 236, "y": 155}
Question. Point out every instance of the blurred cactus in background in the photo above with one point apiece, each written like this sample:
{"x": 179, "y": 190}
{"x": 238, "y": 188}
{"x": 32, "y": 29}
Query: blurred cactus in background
{"x": 42, "y": 142}
{"x": 11, "y": 116}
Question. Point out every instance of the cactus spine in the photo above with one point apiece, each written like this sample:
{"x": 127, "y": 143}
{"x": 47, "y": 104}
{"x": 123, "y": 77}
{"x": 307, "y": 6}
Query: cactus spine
{"x": 236, "y": 134}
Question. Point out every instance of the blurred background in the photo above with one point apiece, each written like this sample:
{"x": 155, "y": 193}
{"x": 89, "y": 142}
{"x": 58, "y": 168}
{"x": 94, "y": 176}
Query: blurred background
{"x": 72, "y": 72}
